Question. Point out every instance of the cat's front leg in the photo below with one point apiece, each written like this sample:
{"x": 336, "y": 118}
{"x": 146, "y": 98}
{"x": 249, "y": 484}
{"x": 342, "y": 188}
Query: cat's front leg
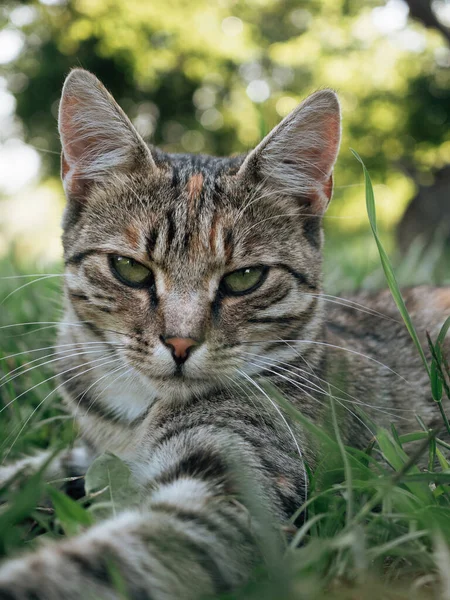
{"x": 65, "y": 468}
{"x": 192, "y": 538}
{"x": 167, "y": 552}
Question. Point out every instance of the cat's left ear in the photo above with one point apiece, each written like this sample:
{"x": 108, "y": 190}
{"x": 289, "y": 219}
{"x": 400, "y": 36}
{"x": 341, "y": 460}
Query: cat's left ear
{"x": 97, "y": 137}
{"x": 296, "y": 159}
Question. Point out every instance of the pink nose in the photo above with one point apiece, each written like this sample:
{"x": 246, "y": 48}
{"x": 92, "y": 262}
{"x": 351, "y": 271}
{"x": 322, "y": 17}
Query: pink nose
{"x": 180, "y": 347}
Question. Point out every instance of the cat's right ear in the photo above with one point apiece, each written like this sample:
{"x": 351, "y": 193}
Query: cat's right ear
{"x": 296, "y": 159}
{"x": 97, "y": 137}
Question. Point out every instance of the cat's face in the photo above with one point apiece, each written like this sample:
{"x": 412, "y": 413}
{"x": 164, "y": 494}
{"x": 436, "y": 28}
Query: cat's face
{"x": 193, "y": 268}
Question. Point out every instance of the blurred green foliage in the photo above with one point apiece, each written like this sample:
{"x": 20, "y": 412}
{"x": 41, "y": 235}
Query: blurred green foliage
{"x": 212, "y": 76}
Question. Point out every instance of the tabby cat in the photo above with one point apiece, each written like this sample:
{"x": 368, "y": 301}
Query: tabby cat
{"x": 199, "y": 279}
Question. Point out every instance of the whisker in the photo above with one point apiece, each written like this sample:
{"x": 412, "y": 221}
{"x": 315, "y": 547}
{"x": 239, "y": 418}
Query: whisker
{"x": 351, "y": 304}
{"x": 297, "y": 384}
{"x": 285, "y": 422}
{"x": 279, "y": 216}
{"x": 247, "y": 394}
{"x": 356, "y": 401}
{"x": 327, "y": 383}
{"x": 258, "y": 387}
{"x": 338, "y": 400}
{"x": 30, "y": 283}
{"x": 280, "y": 362}
{"x": 353, "y": 400}
{"x": 300, "y": 386}
{"x": 42, "y": 402}
{"x": 48, "y": 362}
{"x": 124, "y": 368}
{"x": 49, "y": 379}
{"x": 57, "y": 346}
{"x": 55, "y": 323}
{"x": 326, "y": 344}
{"x": 35, "y": 275}
{"x": 58, "y": 323}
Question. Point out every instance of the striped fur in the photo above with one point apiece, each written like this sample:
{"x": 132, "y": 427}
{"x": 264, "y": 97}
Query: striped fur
{"x": 200, "y": 435}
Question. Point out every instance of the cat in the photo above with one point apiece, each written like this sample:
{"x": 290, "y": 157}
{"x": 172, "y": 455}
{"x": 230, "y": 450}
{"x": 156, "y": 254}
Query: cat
{"x": 199, "y": 278}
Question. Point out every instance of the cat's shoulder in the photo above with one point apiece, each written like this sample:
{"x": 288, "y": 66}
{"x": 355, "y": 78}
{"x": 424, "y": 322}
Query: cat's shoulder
{"x": 376, "y": 311}
{"x": 418, "y": 299}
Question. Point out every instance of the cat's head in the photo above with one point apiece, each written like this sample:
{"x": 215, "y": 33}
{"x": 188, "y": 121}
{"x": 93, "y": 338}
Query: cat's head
{"x": 192, "y": 265}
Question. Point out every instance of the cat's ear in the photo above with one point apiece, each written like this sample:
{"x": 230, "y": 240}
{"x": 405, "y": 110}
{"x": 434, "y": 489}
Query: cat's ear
{"x": 97, "y": 137}
{"x": 296, "y": 159}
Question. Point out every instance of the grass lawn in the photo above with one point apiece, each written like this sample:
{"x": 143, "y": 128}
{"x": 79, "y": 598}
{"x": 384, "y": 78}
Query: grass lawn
{"x": 371, "y": 530}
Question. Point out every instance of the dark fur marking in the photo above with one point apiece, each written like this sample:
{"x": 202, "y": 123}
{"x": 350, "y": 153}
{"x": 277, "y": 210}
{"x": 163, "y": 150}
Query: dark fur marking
{"x": 300, "y": 277}
{"x": 97, "y": 279}
{"x": 84, "y": 399}
{"x": 279, "y": 298}
{"x": 94, "y": 566}
{"x": 190, "y": 548}
{"x": 312, "y": 227}
{"x": 138, "y": 350}
{"x": 171, "y": 231}
{"x": 77, "y": 258}
{"x": 93, "y": 329}
{"x": 199, "y": 463}
{"x": 206, "y": 561}
{"x": 305, "y": 317}
{"x": 249, "y": 432}
{"x": 175, "y": 177}
{"x": 282, "y": 320}
{"x": 174, "y": 428}
{"x": 76, "y": 296}
{"x": 100, "y": 297}
{"x": 215, "y": 306}
{"x": 74, "y": 488}
{"x": 187, "y": 237}
{"x": 153, "y": 296}
{"x": 100, "y": 566}
{"x": 189, "y": 516}
{"x": 150, "y": 244}
{"x": 291, "y": 503}
{"x": 228, "y": 245}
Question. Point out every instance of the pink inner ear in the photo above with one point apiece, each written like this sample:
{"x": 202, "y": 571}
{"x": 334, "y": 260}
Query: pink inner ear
{"x": 322, "y": 157}
{"x": 75, "y": 145}
{"x": 328, "y": 187}
{"x": 71, "y": 149}
{"x": 64, "y": 166}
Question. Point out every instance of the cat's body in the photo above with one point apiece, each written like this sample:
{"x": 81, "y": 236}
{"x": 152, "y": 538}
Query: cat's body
{"x": 174, "y": 349}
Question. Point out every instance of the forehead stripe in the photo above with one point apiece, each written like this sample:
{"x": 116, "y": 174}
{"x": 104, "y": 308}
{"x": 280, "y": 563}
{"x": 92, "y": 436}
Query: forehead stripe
{"x": 152, "y": 238}
{"x": 132, "y": 235}
{"x": 194, "y": 187}
{"x": 228, "y": 244}
{"x": 171, "y": 231}
{"x": 213, "y": 234}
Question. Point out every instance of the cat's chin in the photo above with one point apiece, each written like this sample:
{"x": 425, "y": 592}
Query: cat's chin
{"x": 180, "y": 387}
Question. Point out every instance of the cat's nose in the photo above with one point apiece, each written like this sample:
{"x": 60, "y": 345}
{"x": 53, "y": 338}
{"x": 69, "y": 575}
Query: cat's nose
{"x": 180, "y": 347}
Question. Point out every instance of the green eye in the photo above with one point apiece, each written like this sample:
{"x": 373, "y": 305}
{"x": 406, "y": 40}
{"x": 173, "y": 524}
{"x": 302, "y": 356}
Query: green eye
{"x": 243, "y": 281}
{"x": 129, "y": 271}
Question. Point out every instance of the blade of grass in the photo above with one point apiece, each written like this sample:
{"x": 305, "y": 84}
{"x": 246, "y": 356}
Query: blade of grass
{"x": 387, "y": 266}
{"x": 345, "y": 460}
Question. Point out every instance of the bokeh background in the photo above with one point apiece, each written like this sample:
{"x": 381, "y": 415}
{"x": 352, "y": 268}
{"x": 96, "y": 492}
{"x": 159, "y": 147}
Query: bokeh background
{"x": 214, "y": 76}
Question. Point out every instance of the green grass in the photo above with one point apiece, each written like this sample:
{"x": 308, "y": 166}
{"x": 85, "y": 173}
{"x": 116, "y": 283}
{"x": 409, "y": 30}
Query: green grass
{"x": 377, "y": 525}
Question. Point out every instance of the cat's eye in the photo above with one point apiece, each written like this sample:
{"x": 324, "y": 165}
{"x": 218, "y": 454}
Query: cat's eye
{"x": 243, "y": 281}
{"x": 129, "y": 271}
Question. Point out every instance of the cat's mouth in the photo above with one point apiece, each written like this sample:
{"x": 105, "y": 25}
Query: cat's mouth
{"x": 180, "y": 387}
{"x": 178, "y": 377}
